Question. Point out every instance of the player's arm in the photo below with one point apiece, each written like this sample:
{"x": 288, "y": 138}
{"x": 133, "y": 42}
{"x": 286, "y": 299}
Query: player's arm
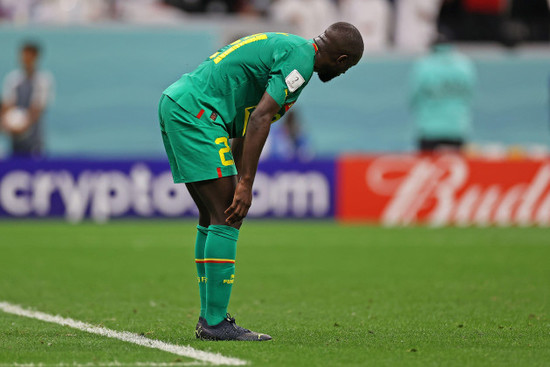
{"x": 8, "y": 101}
{"x": 3, "y": 109}
{"x": 256, "y": 134}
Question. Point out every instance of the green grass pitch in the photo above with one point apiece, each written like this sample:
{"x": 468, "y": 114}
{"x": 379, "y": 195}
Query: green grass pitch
{"x": 330, "y": 295}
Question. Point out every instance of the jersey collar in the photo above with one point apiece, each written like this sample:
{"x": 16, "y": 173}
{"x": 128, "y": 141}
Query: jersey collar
{"x": 315, "y": 47}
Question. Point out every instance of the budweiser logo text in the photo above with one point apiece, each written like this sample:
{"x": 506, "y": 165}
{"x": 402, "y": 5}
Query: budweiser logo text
{"x": 451, "y": 190}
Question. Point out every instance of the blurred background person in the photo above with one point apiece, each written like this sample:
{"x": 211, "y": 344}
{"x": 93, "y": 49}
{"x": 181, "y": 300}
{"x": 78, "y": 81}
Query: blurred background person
{"x": 372, "y": 18}
{"x": 415, "y": 23}
{"x": 18, "y": 11}
{"x": 146, "y": 12}
{"x": 484, "y": 19}
{"x": 442, "y": 89}
{"x": 207, "y": 6}
{"x": 507, "y": 21}
{"x": 54, "y": 11}
{"x": 91, "y": 11}
{"x": 306, "y": 16}
{"x": 288, "y": 140}
{"x": 25, "y": 97}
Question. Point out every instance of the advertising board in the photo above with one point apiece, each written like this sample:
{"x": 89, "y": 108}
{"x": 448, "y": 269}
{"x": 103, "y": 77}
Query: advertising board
{"x": 78, "y": 189}
{"x": 443, "y": 190}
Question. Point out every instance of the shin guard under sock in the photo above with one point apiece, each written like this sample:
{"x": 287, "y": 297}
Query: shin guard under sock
{"x": 200, "y": 243}
{"x": 219, "y": 261}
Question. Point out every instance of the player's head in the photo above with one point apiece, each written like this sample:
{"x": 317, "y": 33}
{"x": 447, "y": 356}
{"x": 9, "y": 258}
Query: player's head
{"x": 30, "y": 52}
{"x": 340, "y": 48}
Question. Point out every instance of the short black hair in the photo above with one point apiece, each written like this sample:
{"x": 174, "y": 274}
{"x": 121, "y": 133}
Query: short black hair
{"x": 32, "y": 46}
{"x": 349, "y": 38}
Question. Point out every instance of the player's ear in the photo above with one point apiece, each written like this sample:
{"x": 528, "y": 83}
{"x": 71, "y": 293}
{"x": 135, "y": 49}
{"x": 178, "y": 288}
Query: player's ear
{"x": 342, "y": 59}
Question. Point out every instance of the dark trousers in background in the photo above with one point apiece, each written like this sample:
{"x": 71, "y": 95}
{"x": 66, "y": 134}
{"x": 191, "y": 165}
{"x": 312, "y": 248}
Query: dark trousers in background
{"x": 430, "y": 145}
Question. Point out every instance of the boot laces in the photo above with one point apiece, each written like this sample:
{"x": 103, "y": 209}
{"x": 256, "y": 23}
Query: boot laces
{"x": 231, "y": 320}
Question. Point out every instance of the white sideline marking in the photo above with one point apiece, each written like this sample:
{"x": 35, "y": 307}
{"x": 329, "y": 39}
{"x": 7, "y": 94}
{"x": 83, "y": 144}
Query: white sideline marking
{"x": 180, "y": 350}
{"x": 106, "y": 364}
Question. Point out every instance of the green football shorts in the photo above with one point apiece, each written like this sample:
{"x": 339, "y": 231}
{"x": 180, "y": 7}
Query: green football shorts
{"x": 197, "y": 149}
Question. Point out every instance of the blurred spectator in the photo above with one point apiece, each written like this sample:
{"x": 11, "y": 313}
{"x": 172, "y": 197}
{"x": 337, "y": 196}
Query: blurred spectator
{"x": 442, "y": 87}
{"x": 207, "y": 6}
{"x": 55, "y": 11}
{"x": 507, "y": 21}
{"x": 309, "y": 17}
{"x": 415, "y": 23}
{"x": 25, "y": 96}
{"x": 372, "y": 18}
{"x": 411, "y": 24}
{"x": 88, "y": 11}
{"x": 484, "y": 19}
{"x": 287, "y": 141}
{"x": 18, "y": 11}
{"x": 534, "y": 15}
{"x": 257, "y": 6}
{"x": 153, "y": 12}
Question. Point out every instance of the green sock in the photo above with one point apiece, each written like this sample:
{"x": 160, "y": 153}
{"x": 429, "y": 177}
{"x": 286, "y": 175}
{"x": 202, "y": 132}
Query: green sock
{"x": 200, "y": 243}
{"x": 219, "y": 260}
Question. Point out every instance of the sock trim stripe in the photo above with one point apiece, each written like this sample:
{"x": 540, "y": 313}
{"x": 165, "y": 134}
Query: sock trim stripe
{"x": 218, "y": 261}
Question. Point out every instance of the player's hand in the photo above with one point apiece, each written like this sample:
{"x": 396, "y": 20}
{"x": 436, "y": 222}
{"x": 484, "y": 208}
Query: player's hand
{"x": 242, "y": 200}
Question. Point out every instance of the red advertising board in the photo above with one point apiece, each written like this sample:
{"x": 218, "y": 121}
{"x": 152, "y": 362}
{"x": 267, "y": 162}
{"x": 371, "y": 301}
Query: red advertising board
{"x": 441, "y": 190}
{"x": 485, "y": 6}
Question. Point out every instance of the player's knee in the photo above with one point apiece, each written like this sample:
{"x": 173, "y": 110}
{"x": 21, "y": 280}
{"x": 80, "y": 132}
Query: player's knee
{"x": 220, "y": 219}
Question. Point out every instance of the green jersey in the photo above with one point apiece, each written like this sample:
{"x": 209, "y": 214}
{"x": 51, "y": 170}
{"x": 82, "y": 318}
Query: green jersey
{"x": 227, "y": 87}
{"x": 442, "y": 89}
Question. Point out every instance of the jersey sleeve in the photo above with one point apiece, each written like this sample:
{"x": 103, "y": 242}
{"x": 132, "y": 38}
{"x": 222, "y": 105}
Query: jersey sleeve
{"x": 290, "y": 72}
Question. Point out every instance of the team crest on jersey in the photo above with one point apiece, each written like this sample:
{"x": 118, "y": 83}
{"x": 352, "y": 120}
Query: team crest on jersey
{"x": 294, "y": 80}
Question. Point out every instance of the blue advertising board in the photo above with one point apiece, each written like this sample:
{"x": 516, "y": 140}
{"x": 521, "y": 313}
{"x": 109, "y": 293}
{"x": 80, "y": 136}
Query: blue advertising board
{"x": 100, "y": 190}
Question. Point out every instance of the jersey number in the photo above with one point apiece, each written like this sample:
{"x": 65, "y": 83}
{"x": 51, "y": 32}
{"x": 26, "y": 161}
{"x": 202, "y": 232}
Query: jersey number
{"x": 248, "y": 111}
{"x": 219, "y": 56}
{"x": 222, "y": 151}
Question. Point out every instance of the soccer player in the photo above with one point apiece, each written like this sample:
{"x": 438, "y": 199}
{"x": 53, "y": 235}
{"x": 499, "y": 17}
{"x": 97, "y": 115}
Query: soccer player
{"x": 237, "y": 93}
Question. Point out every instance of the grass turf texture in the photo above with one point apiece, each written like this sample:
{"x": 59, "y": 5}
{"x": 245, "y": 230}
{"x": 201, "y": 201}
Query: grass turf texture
{"x": 330, "y": 295}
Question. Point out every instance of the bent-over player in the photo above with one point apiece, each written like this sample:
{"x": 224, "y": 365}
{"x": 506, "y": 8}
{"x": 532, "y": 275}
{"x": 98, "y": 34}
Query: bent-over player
{"x": 237, "y": 93}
